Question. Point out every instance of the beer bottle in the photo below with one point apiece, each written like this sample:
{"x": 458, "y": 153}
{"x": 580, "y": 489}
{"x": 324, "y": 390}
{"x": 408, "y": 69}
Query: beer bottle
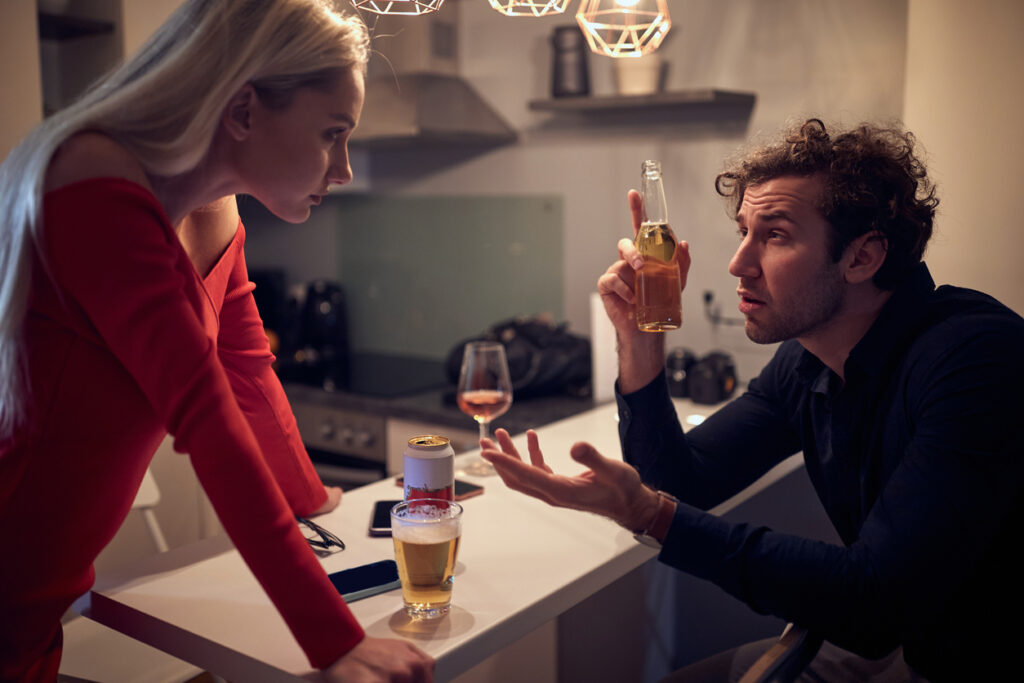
{"x": 658, "y": 306}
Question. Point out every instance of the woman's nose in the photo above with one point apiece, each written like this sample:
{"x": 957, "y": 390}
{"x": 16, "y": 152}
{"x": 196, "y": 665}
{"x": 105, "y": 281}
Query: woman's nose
{"x": 340, "y": 171}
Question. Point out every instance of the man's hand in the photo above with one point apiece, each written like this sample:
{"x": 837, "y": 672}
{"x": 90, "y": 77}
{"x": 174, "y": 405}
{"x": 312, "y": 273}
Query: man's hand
{"x": 381, "y": 659}
{"x": 333, "y": 498}
{"x": 641, "y": 354}
{"x": 610, "y": 488}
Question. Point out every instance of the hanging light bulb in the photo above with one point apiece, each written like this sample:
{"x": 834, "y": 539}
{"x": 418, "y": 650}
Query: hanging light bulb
{"x": 624, "y": 28}
{"x": 529, "y": 8}
{"x": 399, "y": 6}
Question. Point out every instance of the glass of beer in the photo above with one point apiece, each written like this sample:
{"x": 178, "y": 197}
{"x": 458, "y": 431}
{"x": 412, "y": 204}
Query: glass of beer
{"x": 426, "y": 533}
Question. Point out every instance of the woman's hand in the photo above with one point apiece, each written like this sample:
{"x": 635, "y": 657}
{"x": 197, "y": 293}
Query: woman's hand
{"x": 610, "y": 488}
{"x": 381, "y": 659}
{"x": 333, "y": 498}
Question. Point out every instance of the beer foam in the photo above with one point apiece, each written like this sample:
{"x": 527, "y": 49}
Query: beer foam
{"x": 430, "y": 532}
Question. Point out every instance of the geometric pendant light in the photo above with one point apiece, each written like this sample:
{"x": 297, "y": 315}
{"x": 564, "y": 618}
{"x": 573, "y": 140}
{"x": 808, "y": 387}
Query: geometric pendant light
{"x": 624, "y": 28}
{"x": 529, "y": 8}
{"x": 399, "y": 6}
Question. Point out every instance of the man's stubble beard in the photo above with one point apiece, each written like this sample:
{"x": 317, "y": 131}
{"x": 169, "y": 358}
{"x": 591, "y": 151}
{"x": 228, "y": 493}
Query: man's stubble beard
{"x": 804, "y": 313}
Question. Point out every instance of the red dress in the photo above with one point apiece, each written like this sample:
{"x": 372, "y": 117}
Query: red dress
{"x": 126, "y": 342}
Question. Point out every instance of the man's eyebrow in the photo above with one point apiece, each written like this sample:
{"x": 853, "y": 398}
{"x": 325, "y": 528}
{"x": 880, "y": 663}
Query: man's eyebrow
{"x": 775, "y": 215}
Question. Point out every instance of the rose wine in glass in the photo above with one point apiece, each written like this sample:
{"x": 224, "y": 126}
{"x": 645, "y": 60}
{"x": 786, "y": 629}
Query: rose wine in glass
{"x": 484, "y": 392}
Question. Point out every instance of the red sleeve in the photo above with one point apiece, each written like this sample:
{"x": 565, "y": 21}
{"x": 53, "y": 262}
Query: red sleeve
{"x": 113, "y": 253}
{"x": 245, "y": 353}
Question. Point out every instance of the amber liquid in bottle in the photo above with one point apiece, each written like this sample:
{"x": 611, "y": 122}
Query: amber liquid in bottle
{"x": 659, "y": 300}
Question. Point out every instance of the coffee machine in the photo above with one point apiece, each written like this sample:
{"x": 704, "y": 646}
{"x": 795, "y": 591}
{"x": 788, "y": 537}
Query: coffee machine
{"x": 315, "y": 349}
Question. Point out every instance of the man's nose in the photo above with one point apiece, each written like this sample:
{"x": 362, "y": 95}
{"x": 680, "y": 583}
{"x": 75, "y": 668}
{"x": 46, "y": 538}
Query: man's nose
{"x": 745, "y": 262}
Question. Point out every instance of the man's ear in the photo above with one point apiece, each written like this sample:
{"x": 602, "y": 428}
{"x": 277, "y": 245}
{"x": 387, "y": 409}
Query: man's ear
{"x": 864, "y": 256}
{"x": 237, "y": 115}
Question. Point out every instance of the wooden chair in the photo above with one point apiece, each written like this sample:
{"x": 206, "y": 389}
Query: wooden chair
{"x": 93, "y": 652}
{"x": 784, "y": 660}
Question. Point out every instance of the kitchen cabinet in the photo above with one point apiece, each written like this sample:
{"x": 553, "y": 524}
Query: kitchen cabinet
{"x": 80, "y": 42}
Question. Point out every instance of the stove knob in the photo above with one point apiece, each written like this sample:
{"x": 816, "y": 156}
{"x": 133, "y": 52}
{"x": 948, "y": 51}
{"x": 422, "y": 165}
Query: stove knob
{"x": 327, "y": 429}
{"x": 345, "y": 436}
{"x": 364, "y": 439}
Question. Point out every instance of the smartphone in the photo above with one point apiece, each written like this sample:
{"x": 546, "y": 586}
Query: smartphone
{"x": 369, "y": 579}
{"x": 380, "y": 520}
{"x": 463, "y": 489}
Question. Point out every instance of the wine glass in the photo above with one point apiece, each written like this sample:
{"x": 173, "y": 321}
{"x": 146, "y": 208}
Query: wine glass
{"x": 484, "y": 392}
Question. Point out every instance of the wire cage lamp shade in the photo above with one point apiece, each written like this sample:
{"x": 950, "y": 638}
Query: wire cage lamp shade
{"x": 624, "y": 28}
{"x": 529, "y": 8}
{"x": 399, "y": 6}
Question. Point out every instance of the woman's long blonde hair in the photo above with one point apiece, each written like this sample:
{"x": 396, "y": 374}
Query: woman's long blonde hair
{"x": 163, "y": 105}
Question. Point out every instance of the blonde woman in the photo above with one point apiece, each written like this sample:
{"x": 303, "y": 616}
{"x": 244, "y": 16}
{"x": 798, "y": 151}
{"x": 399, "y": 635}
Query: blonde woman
{"x": 126, "y": 313}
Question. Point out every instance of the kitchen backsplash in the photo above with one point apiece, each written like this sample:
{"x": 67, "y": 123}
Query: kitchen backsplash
{"x": 421, "y": 272}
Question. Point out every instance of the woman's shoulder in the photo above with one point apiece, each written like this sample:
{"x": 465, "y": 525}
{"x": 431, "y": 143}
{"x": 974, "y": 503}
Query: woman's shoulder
{"x": 92, "y": 154}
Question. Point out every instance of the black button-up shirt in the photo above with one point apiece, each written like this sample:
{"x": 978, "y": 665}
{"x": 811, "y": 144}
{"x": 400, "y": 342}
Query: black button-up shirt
{"x": 917, "y": 458}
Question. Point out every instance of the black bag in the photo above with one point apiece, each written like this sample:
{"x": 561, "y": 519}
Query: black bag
{"x": 543, "y": 358}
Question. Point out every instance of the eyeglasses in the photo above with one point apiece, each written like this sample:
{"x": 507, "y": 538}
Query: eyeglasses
{"x": 320, "y": 539}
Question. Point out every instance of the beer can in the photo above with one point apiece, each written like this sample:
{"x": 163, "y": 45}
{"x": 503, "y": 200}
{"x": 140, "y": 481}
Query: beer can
{"x": 429, "y": 467}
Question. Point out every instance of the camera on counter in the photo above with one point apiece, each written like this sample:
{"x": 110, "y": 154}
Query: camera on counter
{"x": 707, "y": 380}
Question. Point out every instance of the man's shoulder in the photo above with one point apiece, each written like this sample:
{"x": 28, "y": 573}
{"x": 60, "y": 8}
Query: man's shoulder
{"x": 963, "y": 302}
{"x": 962, "y": 326}
{"x": 960, "y": 313}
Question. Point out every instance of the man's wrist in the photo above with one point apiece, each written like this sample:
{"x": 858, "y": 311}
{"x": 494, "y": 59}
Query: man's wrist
{"x": 646, "y": 511}
{"x": 655, "y": 529}
{"x": 663, "y": 521}
{"x": 641, "y": 359}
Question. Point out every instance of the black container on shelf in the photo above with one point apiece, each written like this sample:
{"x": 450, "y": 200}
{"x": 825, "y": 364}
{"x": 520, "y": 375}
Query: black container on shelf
{"x": 570, "y": 73}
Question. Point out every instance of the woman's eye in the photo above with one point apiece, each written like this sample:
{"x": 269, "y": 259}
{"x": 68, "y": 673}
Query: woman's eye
{"x": 333, "y": 134}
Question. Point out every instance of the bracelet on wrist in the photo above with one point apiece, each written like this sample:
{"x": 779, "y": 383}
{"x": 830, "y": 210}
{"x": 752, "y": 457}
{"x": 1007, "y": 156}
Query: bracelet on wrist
{"x": 658, "y": 527}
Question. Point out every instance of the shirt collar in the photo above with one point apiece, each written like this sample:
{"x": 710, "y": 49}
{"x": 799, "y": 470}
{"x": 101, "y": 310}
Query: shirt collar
{"x": 897, "y": 320}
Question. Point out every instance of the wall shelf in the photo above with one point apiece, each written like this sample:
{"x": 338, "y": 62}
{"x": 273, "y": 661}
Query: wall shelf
{"x": 65, "y": 27}
{"x": 694, "y": 100}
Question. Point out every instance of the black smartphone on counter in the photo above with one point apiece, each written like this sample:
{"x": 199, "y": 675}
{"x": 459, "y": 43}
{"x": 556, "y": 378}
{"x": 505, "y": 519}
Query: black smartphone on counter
{"x": 462, "y": 490}
{"x": 366, "y": 580}
{"x": 380, "y": 520}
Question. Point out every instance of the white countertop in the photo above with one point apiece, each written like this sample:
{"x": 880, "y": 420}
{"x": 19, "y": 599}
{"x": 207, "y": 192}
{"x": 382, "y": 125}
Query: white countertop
{"x": 521, "y": 563}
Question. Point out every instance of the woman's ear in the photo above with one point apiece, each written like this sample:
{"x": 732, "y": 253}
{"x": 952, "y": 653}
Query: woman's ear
{"x": 864, "y": 256}
{"x": 237, "y": 115}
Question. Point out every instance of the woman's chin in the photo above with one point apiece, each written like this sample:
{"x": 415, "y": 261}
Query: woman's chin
{"x": 292, "y": 214}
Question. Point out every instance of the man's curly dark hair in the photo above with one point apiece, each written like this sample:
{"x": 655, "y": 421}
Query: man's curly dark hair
{"x": 873, "y": 182}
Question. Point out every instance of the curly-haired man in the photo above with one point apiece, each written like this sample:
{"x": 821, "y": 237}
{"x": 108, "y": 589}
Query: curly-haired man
{"x": 901, "y": 396}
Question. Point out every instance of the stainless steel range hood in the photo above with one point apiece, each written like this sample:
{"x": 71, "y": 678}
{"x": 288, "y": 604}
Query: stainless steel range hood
{"x": 425, "y": 109}
{"x": 415, "y": 95}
